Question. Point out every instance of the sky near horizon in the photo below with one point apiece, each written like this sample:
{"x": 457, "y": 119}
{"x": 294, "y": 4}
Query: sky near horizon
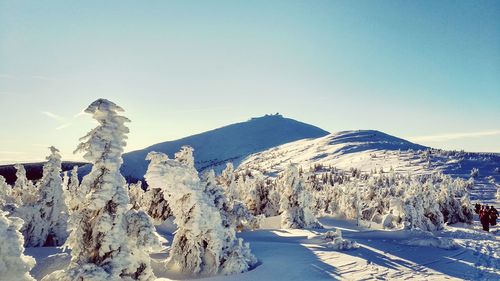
{"x": 428, "y": 71}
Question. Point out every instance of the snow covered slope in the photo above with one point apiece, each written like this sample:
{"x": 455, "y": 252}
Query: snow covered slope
{"x": 368, "y": 150}
{"x": 362, "y": 149}
{"x": 232, "y": 143}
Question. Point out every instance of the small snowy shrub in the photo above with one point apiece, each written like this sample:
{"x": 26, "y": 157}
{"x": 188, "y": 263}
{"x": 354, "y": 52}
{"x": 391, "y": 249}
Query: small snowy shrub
{"x": 333, "y": 240}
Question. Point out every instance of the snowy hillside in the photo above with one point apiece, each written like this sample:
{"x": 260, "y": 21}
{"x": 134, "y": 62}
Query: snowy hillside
{"x": 369, "y": 150}
{"x": 232, "y": 143}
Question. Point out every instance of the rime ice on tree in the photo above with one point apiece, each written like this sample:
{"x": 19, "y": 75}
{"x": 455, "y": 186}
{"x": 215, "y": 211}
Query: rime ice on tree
{"x": 14, "y": 265}
{"x": 49, "y": 225}
{"x": 202, "y": 245}
{"x": 75, "y": 194}
{"x": 295, "y": 201}
{"x": 104, "y": 241}
{"x": 23, "y": 191}
{"x": 5, "y": 192}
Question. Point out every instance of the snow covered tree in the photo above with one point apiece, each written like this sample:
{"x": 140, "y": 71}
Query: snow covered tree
{"x": 24, "y": 192}
{"x": 227, "y": 180}
{"x": 217, "y": 197}
{"x": 135, "y": 192}
{"x": 421, "y": 209}
{"x": 201, "y": 244}
{"x": 107, "y": 242}
{"x": 74, "y": 194}
{"x": 233, "y": 214}
{"x": 295, "y": 201}
{"x": 154, "y": 203}
{"x": 5, "y": 192}
{"x": 14, "y": 265}
{"x": 47, "y": 225}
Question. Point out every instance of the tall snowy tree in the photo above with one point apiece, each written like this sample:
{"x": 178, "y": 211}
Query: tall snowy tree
{"x": 24, "y": 191}
{"x": 75, "y": 194}
{"x": 107, "y": 241}
{"x": 47, "y": 225}
{"x": 295, "y": 201}
{"x": 202, "y": 245}
{"x": 14, "y": 265}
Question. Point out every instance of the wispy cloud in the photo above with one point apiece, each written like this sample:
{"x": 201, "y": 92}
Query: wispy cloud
{"x": 63, "y": 126}
{"x": 54, "y": 116}
{"x": 454, "y": 136}
{"x": 64, "y": 123}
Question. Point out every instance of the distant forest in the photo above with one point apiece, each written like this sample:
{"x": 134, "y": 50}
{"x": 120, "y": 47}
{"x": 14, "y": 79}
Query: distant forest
{"x": 33, "y": 170}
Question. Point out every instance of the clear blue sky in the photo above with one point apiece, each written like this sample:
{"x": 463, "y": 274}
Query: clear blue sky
{"x": 424, "y": 70}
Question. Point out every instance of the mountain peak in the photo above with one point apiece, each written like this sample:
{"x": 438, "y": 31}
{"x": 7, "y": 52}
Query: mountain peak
{"x": 231, "y": 143}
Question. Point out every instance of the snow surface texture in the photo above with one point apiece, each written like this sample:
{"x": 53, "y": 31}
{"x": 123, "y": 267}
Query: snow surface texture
{"x": 202, "y": 244}
{"x": 232, "y": 143}
{"x": 107, "y": 241}
{"x": 14, "y": 265}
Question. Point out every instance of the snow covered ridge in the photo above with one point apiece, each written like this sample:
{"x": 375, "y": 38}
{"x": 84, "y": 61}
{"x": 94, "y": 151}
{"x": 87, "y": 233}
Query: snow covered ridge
{"x": 369, "y": 150}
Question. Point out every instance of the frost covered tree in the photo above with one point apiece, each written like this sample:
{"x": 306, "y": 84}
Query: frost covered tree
{"x": 227, "y": 179}
{"x": 217, "y": 197}
{"x": 295, "y": 201}
{"x": 108, "y": 241}
{"x": 201, "y": 245}
{"x": 47, "y": 225}
{"x": 234, "y": 214}
{"x": 135, "y": 192}
{"x": 14, "y": 265}
{"x": 5, "y": 192}
{"x": 74, "y": 194}
{"x": 24, "y": 192}
{"x": 154, "y": 203}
